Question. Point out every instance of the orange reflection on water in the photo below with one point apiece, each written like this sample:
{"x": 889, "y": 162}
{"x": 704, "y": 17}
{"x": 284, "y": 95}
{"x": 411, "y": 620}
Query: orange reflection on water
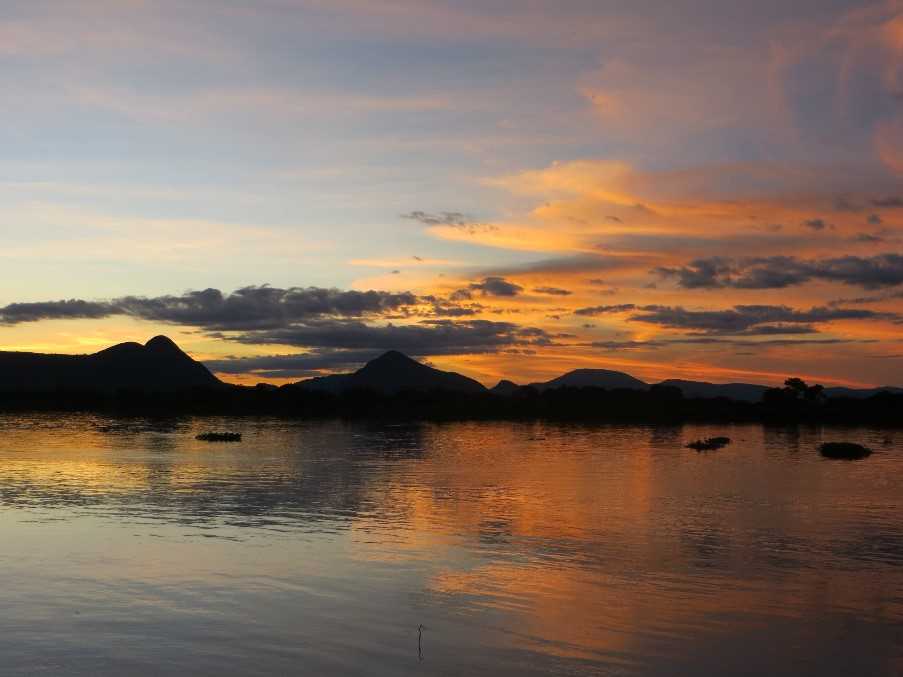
{"x": 593, "y": 545}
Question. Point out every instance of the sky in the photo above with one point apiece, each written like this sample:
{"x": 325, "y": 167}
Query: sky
{"x": 693, "y": 189}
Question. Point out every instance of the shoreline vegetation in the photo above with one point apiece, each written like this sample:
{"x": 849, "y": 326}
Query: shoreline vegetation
{"x": 655, "y": 405}
{"x": 218, "y": 437}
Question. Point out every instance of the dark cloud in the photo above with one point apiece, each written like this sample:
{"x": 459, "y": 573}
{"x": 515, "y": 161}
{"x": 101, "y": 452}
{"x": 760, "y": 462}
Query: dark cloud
{"x": 891, "y": 202}
{"x": 614, "y": 219}
{"x": 701, "y": 273}
{"x": 461, "y": 295}
{"x": 878, "y": 298}
{"x": 778, "y": 330}
{"x": 627, "y": 345}
{"x": 711, "y": 341}
{"x": 496, "y": 286}
{"x": 874, "y": 220}
{"x": 775, "y": 272}
{"x": 748, "y": 319}
{"x": 883, "y": 270}
{"x": 868, "y": 238}
{"x": 293, "y": 366}
{"x": 788, "y": 342}
{"x": 262, "y": 307}
{"x": 440, "y": 310}
{"x": 72, "y": 309}
{"x": 816, "y": 224}
{"x": 428, "y": 337}
{"x": 605, "y": 310}
{"x": 256, "y": 307}
{"x": 552, "y": 291}
{"x": 441, "y": 307}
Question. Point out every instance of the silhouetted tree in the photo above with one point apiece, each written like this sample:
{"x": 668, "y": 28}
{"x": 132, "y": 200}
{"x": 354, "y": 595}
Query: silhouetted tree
{"x": 797, "y": 386}
{"x": 815, "y": 393}
{"x": 798, "y": 389}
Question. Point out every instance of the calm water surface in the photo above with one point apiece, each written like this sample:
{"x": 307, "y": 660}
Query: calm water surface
{"x": 128, "y": 548}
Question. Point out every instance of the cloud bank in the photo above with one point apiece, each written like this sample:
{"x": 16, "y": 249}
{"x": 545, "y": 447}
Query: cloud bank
{"x": 777, "y": 272}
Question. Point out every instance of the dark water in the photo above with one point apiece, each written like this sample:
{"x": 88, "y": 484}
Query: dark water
{"x": 128, "y": 548}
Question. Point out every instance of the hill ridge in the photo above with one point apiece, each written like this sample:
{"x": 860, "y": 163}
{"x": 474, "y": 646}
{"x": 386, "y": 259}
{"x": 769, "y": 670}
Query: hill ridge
{"x": 158, "y": 365}
{"x": 392, "y": 372}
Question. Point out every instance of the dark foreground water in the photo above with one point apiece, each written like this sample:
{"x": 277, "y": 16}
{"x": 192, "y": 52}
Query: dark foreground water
{"x": 128, "y": 548}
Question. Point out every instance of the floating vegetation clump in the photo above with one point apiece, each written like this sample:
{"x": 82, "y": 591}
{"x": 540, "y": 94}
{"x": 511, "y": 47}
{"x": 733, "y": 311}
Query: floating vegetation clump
{"x": 844, "y": 450}
{"x": 219, "y": 437}
{"x": 709, "y": 443}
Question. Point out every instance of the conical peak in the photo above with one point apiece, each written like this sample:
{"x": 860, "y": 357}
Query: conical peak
{"x": 163, "y": 344}
{"x": 393, "y": 356}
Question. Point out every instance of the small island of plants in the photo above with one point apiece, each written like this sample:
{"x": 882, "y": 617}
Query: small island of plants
{"x": 709, "y": 443}
{"x": 219, "y": 437}
{"x": 844, "y": 450}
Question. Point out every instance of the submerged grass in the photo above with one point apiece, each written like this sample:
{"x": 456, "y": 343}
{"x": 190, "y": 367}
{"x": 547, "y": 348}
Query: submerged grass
{"x": 219, "y": 437}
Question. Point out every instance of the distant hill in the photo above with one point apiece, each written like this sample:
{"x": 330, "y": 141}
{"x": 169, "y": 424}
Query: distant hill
{"x": 749, "y": 392}
{"x": 505, "y": 387}
{"x": 861, "y": 393}
{"x": 593, "y": 378}
{"x": 603, "y": 378}
{"x": 158, "y": 365}
{"x": 745, "y": 392}
{"x": 393, "y": 372}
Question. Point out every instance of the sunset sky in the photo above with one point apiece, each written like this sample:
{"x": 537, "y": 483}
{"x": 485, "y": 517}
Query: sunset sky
{"x": 692, "y": 189}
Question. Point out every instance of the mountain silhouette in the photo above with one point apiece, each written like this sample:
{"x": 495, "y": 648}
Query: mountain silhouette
{"x": 593, "y": 378}
{"x": 751, "y": 392}
{"x": 161, "y": 366}
{"x": 393, "y": 372}
{"x": 744, "y": 392}
{"x": 158, "y": 365}
{"x": 505, "y": 387}
{"x": 741, "y": 392}
{"x": 861, "y": 393}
